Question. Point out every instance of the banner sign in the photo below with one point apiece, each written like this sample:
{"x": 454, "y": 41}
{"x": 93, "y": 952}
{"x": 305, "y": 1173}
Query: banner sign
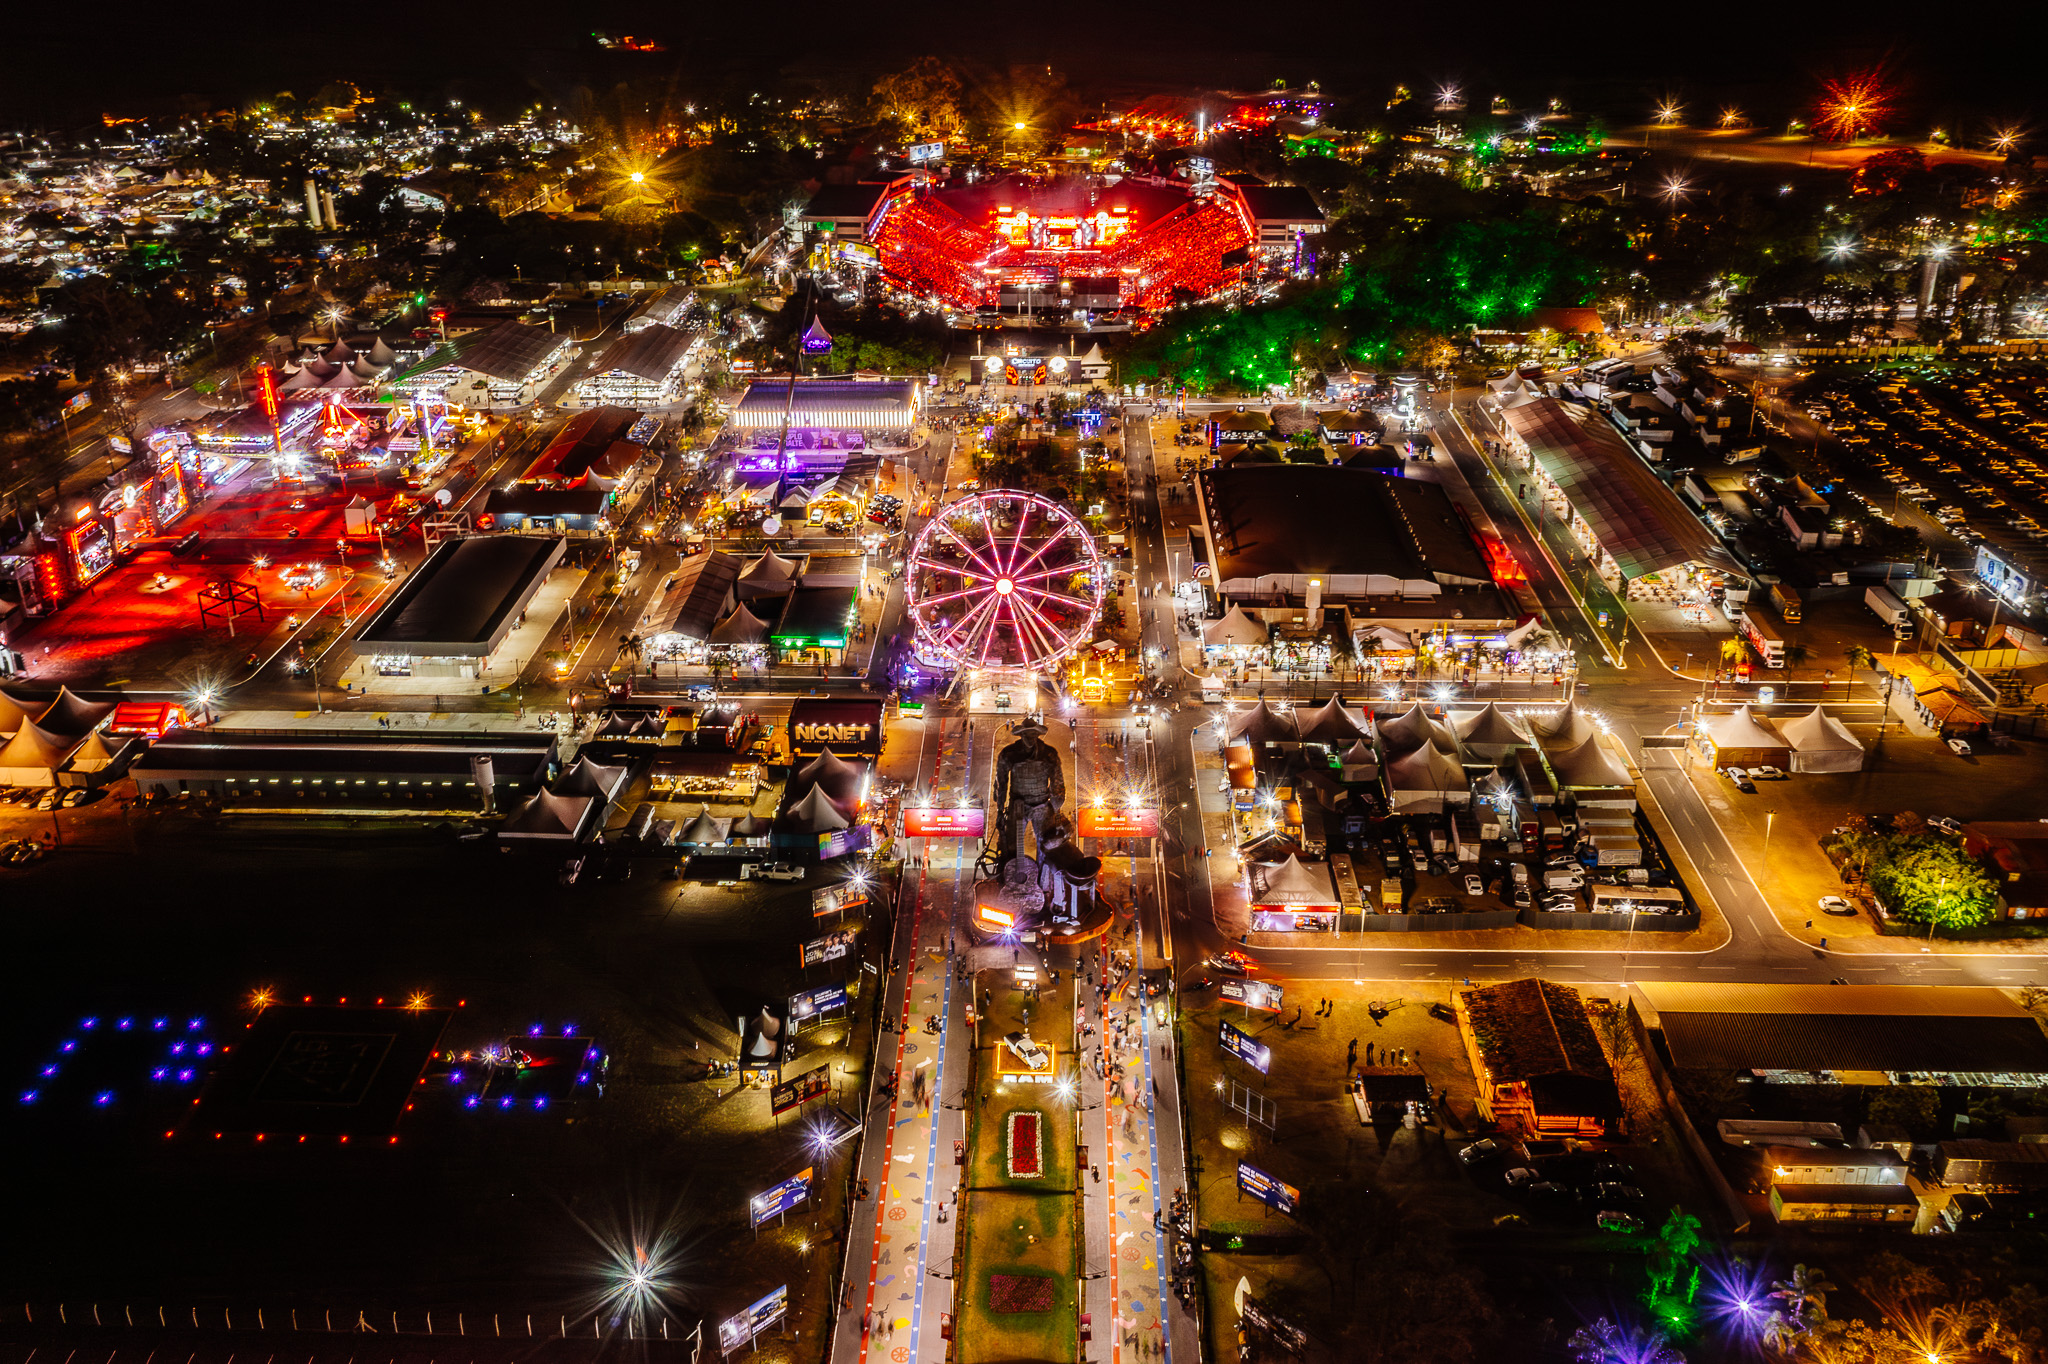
{"x": 831, "y": 947}
{"x": 961, "y": 821}
{"x": 924, "y": 153}
{"x": 782, "y": 1198}
{"x": 810, "y": 1003}
{"x": 839, "y": 842}
{"x": 1253, "y": 994}
{"x": 849, "y": 728}
{"x": 1241, "y": 1044}
{"x": 812, "y": 1084}
{"x": 838, "y": 899}
{"x": 738, "y": 1331}
{"x": 1285, "y": 1334}
{"x": 1275, "y": 1194}
{"x": 1102, "y": 822}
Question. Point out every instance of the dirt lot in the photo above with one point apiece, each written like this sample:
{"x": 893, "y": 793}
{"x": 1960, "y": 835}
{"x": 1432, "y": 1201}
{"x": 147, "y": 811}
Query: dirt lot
{"x": 513, "y": 1212}
{"x": 1366, "y": 1178}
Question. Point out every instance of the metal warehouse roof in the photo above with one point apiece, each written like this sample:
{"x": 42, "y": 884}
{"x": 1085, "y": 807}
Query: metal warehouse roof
{"x": 508, "y": 351}
{"x": 1846, "y": 1027}
{"x": 651, "y": 353}
{"x": 1636, "y": 518}
{"x": 463, "y": 600}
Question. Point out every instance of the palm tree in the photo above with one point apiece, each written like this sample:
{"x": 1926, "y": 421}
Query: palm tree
{"x": 1805, "y": 1295}
{"x": 1606, "y": 1343}
{"x": 1856, "y": 656}
{"x": 1796, "y": 656}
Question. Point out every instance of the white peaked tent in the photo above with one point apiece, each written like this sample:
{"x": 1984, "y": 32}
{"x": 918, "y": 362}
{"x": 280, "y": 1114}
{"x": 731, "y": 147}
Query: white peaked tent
{"x": 33, "y": 755}
{"x": 1360, "y": 763}
{"x": 1563, "y": 728}
{"x": 703, "y": 831}
{"x": 814, "y": 814}
{"x": 586, "y": 778}
{"x": 1265, "y": 725}
{"x": 826, "y": 766}
{"x": 1332, "y": 724}
{"x": 1587, "y": 765}
{"x": 1740, "y": 739}
{"x": 1487, "y": 731}
{"x": 771, "y": 575}
{"x": 1413, "y": 728}
{"x": 547, "y": 818}
{"x": 1821, "y": 743}
{"x": 1424, "y": 778}
{"x": 13, "y": 712}
{"x": 1292, "y": 885}
{"x": 741, "y": 627}
{"x": 1235, "y": 630}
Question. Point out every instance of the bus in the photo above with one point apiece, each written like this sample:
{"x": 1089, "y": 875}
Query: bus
{"x": 1768, "y": 643}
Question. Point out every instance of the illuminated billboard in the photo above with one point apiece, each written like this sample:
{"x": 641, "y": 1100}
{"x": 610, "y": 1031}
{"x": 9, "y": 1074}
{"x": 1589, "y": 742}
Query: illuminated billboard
{"x": 964, "y": 821}
{"x": 1098, "y": 821}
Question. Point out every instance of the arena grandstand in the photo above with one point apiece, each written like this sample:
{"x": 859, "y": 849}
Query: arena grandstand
{"x": 1057, "y": 240}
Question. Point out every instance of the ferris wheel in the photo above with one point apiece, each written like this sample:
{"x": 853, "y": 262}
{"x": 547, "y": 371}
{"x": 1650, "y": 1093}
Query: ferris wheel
{"x": 1003, "y": 579}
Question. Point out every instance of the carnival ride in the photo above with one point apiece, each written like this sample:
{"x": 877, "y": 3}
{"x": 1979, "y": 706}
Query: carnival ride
{"x": 1003, "y": 579}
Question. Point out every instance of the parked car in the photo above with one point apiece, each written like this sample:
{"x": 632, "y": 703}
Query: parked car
{"x": 1520, "y": 1177}
{"x": 1768, "y": 773}
{"x": 1741, "y": 780}
{"x": 1959, "y": 747}
{"x": 1483, "y": 1150}
{"x": 771, "y": 871}
{"x": 1948, "y": 824}
{"x": 1613, "y": 1195}
{"x": 1473, "y": 885}
{"x": 1835, "y": 904}
{"x": 1617, "y": 1221}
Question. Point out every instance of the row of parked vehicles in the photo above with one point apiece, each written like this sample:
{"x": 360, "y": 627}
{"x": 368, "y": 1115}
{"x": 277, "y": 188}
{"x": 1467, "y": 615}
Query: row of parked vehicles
{"x": 44, "y": 797}
{"x": 1558, "y": 1183}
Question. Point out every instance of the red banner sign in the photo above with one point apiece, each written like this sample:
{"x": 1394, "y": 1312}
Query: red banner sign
{"x": 963, "y": 821}
{"x": 1101, "y": 822}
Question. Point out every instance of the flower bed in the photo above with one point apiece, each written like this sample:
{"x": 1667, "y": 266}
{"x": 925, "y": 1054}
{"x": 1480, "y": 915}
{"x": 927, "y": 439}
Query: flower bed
{"x": 1021, "y": 1292}
{"x": 1024, "y": 1146}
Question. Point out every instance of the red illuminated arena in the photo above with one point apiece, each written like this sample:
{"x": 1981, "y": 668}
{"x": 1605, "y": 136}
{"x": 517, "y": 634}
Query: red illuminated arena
{"x": 1135, "y": 243}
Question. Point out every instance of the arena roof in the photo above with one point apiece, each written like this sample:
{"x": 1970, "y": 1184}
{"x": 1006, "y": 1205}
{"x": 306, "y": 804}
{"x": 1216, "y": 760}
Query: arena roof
{"x": 1281, "y": 204}
{"x": 463, "y": 600}
{"x": 1942, "y": 1029}
{"x": 837, "y": 203}
{"x": 1634, "y": 515}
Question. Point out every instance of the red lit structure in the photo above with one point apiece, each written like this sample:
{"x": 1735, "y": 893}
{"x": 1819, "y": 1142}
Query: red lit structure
{"x": 1139, "y": 243}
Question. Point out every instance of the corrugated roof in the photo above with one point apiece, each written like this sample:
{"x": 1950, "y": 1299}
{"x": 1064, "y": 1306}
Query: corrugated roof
{"x": 508, "y": 351}
{"x": 1286, "y": 519}
{"x": 651, "y": 353}
{"x": 1858, "y": 1041}
{"x": 1528, "y": 1028}
{"x": 1636, "y": 518}
{"x": 1922, "y": 1001}
{"x": 463, "y": 599}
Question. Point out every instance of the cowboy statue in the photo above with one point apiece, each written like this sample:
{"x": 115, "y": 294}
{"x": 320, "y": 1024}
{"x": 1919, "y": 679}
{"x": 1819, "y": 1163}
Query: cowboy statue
{"x": 1029, "y": 789}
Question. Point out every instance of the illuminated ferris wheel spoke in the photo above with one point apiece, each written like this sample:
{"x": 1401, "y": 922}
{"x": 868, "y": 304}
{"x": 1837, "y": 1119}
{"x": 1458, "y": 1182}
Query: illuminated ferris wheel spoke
{"x": 970, "y": 551}
{"x": 1049, "y": 639}
{"x": 967, "y": 620}
{"x": 1017, "y": 541}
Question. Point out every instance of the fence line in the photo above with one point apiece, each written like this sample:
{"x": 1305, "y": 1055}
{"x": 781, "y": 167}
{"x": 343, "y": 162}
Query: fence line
{"x": 626, "y": 1324}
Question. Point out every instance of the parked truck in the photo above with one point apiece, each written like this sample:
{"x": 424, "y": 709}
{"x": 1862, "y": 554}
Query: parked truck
{"x": 1889, "y": 608}
{"x": 1787, "y": 600}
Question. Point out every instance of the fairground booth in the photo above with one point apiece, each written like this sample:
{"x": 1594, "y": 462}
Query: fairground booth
{"x": 92, "y": 535}
{"x": 456, "y": 616}
{"x": 572, "y": 486}
{"x": 649, "y": 367}
{"x": 833, "y": 745}
{"x": 791, "y": 424}
{"x": 1292, "y": 897}
{"x": 719, "y": 610}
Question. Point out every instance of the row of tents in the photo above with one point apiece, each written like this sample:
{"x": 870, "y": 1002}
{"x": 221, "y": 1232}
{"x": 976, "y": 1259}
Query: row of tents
{"x": 54, "y": 741}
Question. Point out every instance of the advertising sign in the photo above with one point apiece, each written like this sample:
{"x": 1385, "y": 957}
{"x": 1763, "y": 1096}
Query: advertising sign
{"x": 1253, "y": 1182}
{"x": 831, "y": 947}
{"x": 266, "y": 391}
{"x": 839, "y": 842}
{"x": 1285, "y": 1334}
{"x": 782, "y": 1198}
{"x": 961, "y": 821}
{"x": 838, "y": 899}
{"x": 1241, "y": 1044}
{"x": 812, "y": 1084}
{"x": 738, "y": 1331}
{"x": 810, "y": 1003}
{"x": 1253, "y": 994}
{"x": 860, "y": 254}
{"x": 849, "y": 728}
{"x": 1097, "y": 821}
{"x": 995, "y": 918}
{"x": 82, "y": 399}
{"x": 924, "y": 153}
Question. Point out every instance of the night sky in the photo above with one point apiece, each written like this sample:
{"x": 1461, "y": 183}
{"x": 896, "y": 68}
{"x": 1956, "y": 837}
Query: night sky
{"x": 67, "y": 64}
